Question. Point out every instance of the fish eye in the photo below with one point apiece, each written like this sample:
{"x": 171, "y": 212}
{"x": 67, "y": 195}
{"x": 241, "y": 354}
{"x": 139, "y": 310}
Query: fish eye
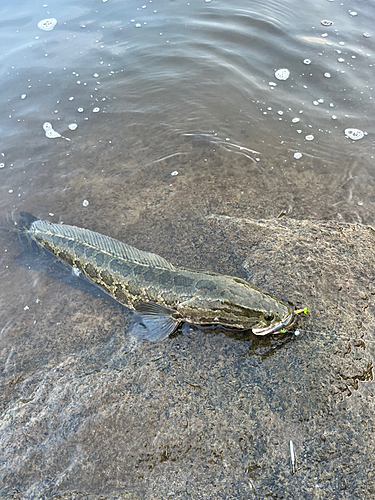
{"x": 269, "y": 316}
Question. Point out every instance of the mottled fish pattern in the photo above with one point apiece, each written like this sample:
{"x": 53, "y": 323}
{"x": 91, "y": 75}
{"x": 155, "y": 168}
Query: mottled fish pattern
{"x": 163, "y": 295}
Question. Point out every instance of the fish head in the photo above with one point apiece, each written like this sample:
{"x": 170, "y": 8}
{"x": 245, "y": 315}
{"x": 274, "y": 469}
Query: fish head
{"x": 235, "y": 303}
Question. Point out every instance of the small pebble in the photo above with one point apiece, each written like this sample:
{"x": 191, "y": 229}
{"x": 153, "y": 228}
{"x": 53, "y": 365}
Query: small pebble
{"x": 309, "y": 137}
{"x": 297, "y": 156}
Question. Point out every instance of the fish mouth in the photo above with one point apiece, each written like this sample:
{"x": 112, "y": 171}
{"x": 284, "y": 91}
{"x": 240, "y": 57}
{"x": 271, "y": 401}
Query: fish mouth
{"x": 288, "y": 321}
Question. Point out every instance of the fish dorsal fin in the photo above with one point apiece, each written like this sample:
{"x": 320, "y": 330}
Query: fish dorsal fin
{"x": 103, "y": 243}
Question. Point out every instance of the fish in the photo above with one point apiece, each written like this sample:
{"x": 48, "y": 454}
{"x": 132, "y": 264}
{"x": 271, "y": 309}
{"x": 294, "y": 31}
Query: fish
{"x": 162, "y": 295}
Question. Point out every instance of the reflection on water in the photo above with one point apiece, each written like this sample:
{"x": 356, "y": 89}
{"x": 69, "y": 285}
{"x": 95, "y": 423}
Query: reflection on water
{"x": 169, "y": 126}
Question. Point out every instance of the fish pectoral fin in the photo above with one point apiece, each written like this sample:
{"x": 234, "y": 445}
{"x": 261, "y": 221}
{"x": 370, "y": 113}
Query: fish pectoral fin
{"x": 154, "y": 309}
{"x": 155, "y": 322}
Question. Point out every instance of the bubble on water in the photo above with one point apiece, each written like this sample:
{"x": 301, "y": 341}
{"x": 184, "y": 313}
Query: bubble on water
{"x": 174, "y": 173}
{"x": 353, "y": 13}
{"x": 295, "y": 120}
{"x": 96, "y": 75}
{"x": 334, "y": 117}
{"x": 324, "y": 35}
{"x": 80, "y": 110}
{"x": 207, "y": 1}
{"x": 96, "y": 110}
{"x": 297, "y": 155}
{"x": 280, "y": 112}
{"x": 23, "y": 96}
{"x": 85, "y": 203}
{"x": 2, "y": 165}
{"x": 272, "y": 84}
{"x": 52, "y": 134}
{"x": 309, "y": 137}
{"x": 282, "y": 74}
{"x": 47, "y": 24}
{"x": 354, "y": 133}
{"x": 71, "y": 98}
{"x": 72, "y": 126}
{"x": 325, "y": 22}
{"x": 138, "y": 25}
{"x": 327, "y": 75}
{"x": 306, "y": 61}
{"x": 341, "y": 60}
{"x": 315, "y": 103}
{"x": 366, "y": 35}
{"x": 320, "y": 101}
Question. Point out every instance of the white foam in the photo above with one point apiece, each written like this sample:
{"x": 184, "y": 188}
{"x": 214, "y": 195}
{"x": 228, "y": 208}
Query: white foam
{"x": 282, "y": 74}
{"x": 354, "y": 133}
{"x": 47, "y": 24}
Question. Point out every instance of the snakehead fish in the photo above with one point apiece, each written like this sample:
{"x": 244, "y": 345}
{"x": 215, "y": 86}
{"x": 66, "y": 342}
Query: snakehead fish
{"x": 162, "y": 294}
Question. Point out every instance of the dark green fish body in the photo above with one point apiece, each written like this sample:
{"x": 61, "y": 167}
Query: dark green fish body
{"x": 161, "y": 293}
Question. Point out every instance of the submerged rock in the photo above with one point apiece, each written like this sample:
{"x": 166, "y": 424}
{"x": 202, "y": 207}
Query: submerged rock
{"x": 89, "y": 411}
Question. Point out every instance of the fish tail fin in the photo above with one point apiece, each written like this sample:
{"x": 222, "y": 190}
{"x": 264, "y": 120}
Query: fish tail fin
{"x": 25, "y": 221}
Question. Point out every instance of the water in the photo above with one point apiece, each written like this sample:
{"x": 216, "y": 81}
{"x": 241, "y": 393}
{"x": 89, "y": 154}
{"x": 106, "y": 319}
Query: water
{"x": 163, "y": 124}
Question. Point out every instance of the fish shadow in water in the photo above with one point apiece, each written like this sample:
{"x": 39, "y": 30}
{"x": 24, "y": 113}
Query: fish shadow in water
{"x": 261, "y": 346}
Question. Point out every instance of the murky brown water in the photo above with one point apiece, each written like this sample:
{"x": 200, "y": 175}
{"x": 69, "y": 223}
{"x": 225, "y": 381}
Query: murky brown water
{"x": 191, "y": 156}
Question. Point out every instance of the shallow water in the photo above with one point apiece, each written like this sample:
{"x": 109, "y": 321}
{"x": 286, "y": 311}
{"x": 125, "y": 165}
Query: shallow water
{"x": 185, "y": 138}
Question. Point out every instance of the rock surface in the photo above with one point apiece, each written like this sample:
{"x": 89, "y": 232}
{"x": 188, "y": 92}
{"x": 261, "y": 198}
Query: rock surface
{"x": 88, "y": 412}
